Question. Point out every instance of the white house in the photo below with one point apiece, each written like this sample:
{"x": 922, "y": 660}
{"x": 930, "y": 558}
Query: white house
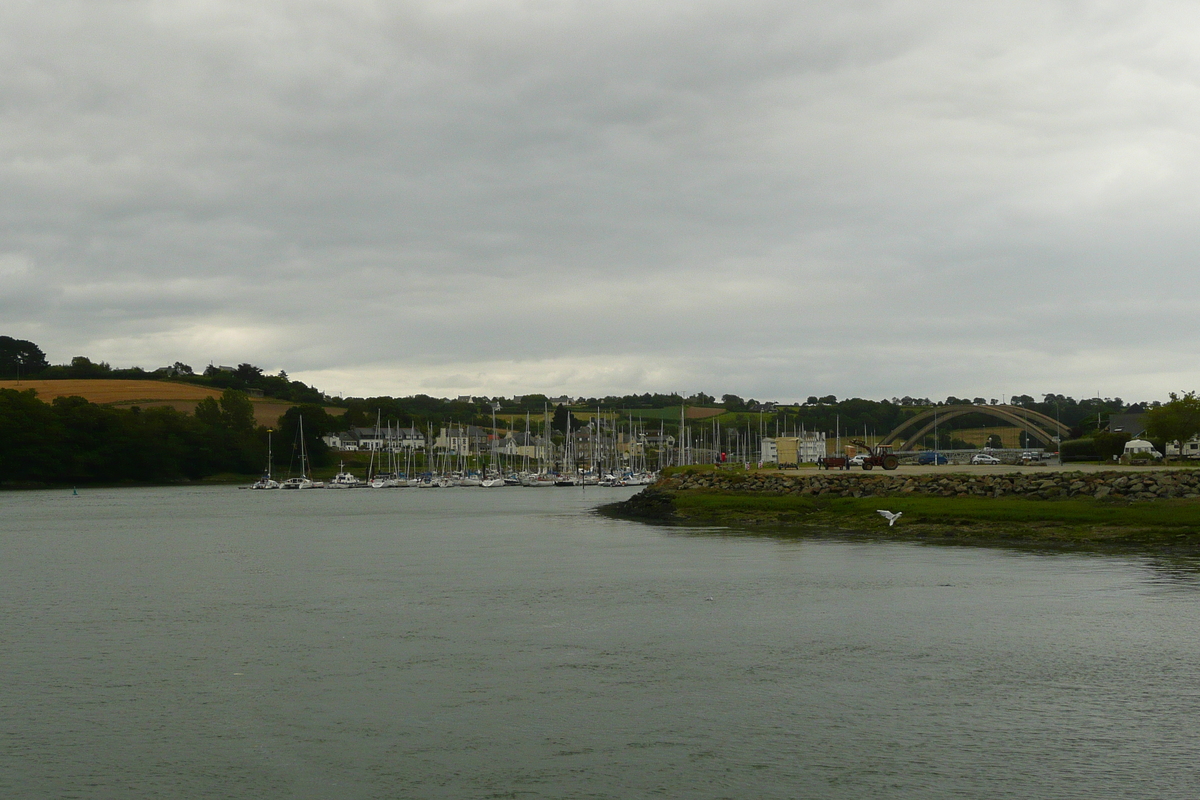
{"x": 340, "y": 441}
{"x": 462, "y": 441}
{"x": 409, "y": 438}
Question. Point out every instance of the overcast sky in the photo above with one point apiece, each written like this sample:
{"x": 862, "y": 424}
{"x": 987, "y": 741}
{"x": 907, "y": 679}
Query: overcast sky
{"x": 773, "y": 199}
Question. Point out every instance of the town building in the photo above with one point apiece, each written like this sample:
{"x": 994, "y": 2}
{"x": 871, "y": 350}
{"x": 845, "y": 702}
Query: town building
{"x": 519, "y": 444}
{"x": 462, "y": 441}
{"x": 369, "y": 439}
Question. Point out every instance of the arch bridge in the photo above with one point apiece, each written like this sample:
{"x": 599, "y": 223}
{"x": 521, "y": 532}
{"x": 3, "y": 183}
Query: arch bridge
{"x": 1037, "y": 425}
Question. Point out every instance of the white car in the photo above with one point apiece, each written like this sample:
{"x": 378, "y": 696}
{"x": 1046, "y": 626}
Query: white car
{"x": 857, "y": 461}
{"x": 984, "y": 458}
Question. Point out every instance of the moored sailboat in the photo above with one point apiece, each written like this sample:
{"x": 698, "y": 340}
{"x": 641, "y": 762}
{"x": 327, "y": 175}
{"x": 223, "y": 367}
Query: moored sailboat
{"x": 266, "y": 482}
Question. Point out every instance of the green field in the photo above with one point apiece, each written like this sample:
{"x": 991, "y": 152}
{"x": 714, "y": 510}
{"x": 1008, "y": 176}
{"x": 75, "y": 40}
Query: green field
{"x": 979, "y": 519}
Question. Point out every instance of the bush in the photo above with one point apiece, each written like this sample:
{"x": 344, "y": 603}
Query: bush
{"x": 1110, "y": 444}
{"x": 1079, "y": 450}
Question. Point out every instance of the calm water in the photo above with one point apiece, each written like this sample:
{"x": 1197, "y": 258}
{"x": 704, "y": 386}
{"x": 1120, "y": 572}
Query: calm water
{"x": 215, "y": 643}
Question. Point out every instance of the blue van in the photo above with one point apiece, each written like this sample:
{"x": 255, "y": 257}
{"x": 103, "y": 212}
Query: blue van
{"x": 926, "y": 459}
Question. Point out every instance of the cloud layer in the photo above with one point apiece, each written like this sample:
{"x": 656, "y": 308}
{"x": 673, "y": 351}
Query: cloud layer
{"x": 774, "y": 199}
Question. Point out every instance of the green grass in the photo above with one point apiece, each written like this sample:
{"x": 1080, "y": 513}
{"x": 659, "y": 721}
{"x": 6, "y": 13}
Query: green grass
{"x": 1075, "y": 519}
{"x": 668, "y": 414}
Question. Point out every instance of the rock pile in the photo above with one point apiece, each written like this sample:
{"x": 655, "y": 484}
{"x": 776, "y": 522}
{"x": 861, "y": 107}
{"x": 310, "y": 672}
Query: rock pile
{"x": 1133, "y": 486}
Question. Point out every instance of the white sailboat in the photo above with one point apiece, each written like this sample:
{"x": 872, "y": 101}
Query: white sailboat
{"x": 265, "y": 482}
{"x": 494, "y": 477}
{"x": 302, "y": 482}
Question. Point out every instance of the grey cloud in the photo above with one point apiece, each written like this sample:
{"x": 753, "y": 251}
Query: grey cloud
{"x": 768, "y": 198}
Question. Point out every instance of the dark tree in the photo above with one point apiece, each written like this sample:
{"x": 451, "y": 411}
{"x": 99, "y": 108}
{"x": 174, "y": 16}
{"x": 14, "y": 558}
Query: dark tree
{"x": 248, "y": 374}
{"x": 732, "y": 402}
{"x": 561, "y": 421}
{"x": 20, "y": 358}
{"x": 84, "y": 367}
{"x": 1175, "y": 422}
{"x": 317, "y": 423}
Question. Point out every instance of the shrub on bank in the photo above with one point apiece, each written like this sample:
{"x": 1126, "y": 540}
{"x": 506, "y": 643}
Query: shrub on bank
{"x": 1079, "y": 450}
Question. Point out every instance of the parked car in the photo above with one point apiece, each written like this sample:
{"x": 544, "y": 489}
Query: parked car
{"x": 857, "y": 461}
{"x": 928, "y": 459}
{"x": 984, "y": 458}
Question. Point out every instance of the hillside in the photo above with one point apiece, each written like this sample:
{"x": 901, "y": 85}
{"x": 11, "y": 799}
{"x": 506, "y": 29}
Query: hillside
{"x": 147, "y": 394}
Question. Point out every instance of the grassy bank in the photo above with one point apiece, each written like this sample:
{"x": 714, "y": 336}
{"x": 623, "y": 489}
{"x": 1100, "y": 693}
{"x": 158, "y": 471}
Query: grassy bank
{"x": 1073, "y": 521}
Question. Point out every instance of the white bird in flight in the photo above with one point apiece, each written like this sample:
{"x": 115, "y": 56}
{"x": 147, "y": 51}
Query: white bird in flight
{"x": 889, "y": 516}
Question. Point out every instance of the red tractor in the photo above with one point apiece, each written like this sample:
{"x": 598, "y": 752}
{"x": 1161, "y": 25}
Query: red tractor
{"x": 880, "y": 456}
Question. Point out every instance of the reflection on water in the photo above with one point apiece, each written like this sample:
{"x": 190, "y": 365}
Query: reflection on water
{"x": 460, "y": 643}
{"x": 1176, "y": 567}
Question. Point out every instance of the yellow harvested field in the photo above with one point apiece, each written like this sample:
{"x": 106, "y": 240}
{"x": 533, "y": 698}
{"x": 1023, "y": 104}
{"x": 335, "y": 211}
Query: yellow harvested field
{"x": 148, "y": 394}
{"x": 104, "y": 391}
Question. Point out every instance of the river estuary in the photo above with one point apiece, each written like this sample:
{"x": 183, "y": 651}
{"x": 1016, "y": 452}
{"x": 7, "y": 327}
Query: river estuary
{"x": 467, "y": 643}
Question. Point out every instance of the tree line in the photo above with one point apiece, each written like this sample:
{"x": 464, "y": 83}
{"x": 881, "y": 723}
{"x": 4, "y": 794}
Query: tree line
{"x": 20, "y": 358}
{"x": 73, "y": 440}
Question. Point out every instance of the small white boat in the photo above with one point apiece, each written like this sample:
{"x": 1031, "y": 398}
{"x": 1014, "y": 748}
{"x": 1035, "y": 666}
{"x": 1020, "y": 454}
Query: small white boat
{"x": 344, "y": 479}
{"x": 298, "y": 483}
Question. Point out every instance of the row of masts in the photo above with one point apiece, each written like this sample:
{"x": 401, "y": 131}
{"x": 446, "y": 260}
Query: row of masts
{"x": 611, "y": 447}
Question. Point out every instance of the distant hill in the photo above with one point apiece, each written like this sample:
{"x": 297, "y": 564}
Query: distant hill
{"x": 147, "y": 394}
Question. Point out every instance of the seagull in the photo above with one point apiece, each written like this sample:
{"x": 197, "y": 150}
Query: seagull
{"x": 710, "y": 597}
{"x": 889, "y": 516}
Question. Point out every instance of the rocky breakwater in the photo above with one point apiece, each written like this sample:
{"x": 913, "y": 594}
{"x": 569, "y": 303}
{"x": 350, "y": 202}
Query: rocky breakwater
{"x": 1044, "y": 486}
